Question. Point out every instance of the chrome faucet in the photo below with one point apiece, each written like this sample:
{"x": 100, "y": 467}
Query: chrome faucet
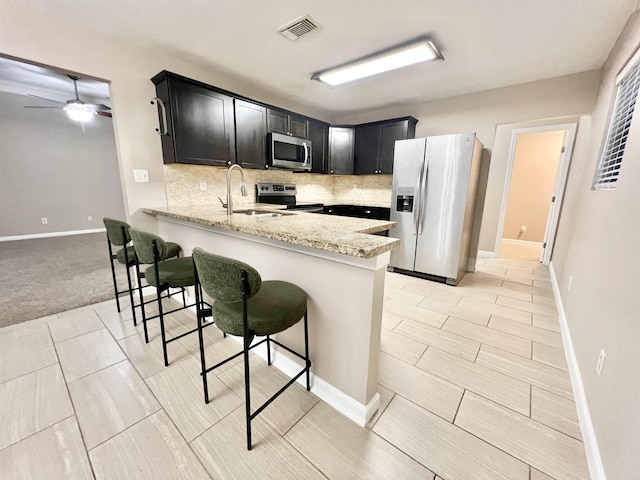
{"x": 243, "y": 187}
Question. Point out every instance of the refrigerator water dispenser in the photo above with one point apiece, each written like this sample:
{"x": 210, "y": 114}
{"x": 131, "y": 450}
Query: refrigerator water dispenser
{"x": 404, "y": 203}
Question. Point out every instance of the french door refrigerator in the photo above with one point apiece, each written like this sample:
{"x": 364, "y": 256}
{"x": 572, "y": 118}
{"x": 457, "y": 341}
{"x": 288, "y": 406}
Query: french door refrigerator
{"x": 434, "y": 192}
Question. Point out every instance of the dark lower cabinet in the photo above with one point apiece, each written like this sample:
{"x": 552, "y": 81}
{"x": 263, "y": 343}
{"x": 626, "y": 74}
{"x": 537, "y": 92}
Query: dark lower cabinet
{"x": 375, "y": 144}
{"x": 318, "y": 133}
{"x": 196, "y": 123}
{"x": 359, "y": 211}
{"x": 251, "y": 134}
{"x": 341, "y": 148}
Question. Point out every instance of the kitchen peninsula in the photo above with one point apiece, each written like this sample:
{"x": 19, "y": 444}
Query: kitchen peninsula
{"x": 336, "y": 260}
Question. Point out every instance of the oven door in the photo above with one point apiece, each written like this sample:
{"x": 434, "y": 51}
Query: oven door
{"x": 289, "y": 152}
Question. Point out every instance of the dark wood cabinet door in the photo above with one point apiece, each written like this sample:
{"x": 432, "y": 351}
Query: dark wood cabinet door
{"x": 297, "y": 126}
{"x": 202, "y": 125}
{"x": 367, "y": 150}
{"x": 251, "y": 134}
{"x": 278, "y": 121}
{"x": 389, "y": 133}
{"x": 318, "y": 133}
{"x": 341, "y": 146}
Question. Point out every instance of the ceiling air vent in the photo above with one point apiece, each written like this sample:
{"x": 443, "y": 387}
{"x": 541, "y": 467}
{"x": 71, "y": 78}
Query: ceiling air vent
{"x": 299, "y": 27}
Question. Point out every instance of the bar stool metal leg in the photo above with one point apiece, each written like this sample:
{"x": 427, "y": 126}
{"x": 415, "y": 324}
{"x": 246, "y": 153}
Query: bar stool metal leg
{"x": 129, "y": 284}
{"x": 112, "y": 257}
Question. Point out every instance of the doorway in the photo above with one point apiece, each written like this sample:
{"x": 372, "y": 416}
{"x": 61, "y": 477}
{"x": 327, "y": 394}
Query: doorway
{"x": 61, "y": 172}
{"x": 536, "y": 175}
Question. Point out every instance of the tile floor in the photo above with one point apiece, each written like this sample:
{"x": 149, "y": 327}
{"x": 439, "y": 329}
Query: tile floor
{"x": 473, "y": 385}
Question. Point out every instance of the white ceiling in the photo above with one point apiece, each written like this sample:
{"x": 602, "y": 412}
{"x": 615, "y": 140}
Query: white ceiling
{"x": 26, "y": 79}
{"x": 486, "y": 43}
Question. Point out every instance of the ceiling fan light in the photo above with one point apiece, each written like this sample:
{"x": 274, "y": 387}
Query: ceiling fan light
{"x": 404, "y": 56}
{"x": 79, "y": 112}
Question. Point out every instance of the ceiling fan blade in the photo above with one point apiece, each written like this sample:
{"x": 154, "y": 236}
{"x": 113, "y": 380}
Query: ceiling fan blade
{"x": 103, "y": 114}
{"x": 47, "y": 99}
{"x": 33, "y": 106}
{"x": 99, "y": 106}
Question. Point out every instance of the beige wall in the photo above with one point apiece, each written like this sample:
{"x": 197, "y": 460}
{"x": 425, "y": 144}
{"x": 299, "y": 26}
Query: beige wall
{"x": 25, "y": 33}
{"x": 597, "y": 245}
{"x": 557, "y": 100}
{"x": 533, "y": 177}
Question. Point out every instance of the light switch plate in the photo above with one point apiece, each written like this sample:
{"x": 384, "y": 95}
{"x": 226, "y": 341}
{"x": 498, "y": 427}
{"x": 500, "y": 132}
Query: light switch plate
{"x": 141, "y": 176}
{"x": 203, "y": 184}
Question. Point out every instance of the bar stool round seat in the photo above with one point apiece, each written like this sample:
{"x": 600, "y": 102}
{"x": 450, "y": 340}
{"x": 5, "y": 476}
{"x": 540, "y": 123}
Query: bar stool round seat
{"x": 174, "y": 273}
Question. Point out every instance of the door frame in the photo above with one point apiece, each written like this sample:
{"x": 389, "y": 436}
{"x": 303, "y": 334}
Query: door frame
{"x": 558, "y": 188}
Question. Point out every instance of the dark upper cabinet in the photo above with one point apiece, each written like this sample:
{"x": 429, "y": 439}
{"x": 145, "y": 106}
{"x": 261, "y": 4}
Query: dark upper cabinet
{"x": 367, "y": 149}
{"x": 341, "y": 148}
{"x": 287, "y": 123}
{"x": 196, "y": 123}
{"x": 251, "y": 134}
{"x": 375, "y": 143}
{"x": 319, "y": 135}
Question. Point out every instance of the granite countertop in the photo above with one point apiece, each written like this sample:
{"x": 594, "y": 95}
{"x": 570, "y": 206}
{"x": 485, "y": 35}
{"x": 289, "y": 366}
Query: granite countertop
{"x": 346, "y": 235}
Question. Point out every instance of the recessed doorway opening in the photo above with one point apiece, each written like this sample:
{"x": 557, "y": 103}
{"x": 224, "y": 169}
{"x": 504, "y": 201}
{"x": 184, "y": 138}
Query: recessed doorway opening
{"x": 536, "y": 176}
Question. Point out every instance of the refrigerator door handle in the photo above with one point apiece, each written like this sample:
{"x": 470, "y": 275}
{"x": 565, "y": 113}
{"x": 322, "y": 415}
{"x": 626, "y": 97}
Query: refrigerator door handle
{"x": 417, "y": 202}
{"x": 424, "y": 175}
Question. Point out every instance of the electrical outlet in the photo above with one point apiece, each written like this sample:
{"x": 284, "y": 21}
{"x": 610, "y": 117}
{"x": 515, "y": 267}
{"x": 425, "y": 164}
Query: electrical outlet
{"x": 44, "y": 220}
{"x": 141, "y": 176}
{"x": 570, "y": 283}
{"x": 89, "y": 218}
{"x": 203, "y": 184}
{"x": 523, "y": 228}
{"x": 600, "y": 363}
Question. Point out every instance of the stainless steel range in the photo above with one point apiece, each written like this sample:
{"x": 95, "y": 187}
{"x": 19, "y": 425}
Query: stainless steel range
{"x": 284, "y": 194}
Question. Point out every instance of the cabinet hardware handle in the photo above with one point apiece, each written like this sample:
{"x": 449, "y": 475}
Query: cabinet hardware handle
{"x": 306, "y": 154}
{"x": 164, "y": 130}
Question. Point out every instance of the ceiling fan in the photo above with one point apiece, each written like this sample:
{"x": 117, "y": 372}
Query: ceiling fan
{"x": 75, "y": 108}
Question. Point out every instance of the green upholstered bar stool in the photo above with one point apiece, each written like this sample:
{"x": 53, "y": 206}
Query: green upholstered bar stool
{"x": 163, "y": 274}
{"x": 118, "y": 236}
{"x": 246, "y": 306}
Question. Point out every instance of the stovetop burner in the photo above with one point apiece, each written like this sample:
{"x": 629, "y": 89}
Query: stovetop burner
{"x": 283, "y": 194}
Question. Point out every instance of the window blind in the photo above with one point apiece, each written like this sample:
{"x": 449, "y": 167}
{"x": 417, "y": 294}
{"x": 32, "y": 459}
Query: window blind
{"x": 610, "y": 162}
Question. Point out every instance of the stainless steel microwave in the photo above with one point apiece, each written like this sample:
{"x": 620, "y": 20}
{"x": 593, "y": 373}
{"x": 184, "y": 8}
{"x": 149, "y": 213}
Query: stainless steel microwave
{"x": 289, "y": 152}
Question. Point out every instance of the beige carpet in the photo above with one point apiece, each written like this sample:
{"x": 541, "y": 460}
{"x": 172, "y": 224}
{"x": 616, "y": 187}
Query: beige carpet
{"x": 44, "y": 276}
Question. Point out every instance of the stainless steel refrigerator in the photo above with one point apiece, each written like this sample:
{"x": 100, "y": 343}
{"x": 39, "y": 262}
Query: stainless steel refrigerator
{"x": 434, "y": 192}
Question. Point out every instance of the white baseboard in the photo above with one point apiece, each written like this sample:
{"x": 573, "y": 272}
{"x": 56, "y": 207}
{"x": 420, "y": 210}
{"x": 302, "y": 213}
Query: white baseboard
{"x": 350, "y": 408}
{"x": 50, "y": 234}
{"x": 594, "y": 460}
{"x": 524, "y": 243}
{"x": 486, "y": 254}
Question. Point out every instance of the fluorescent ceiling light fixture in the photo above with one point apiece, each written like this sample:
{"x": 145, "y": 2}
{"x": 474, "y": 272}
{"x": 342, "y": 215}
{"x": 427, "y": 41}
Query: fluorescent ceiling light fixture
{"x": 78, "y": 111}
{"x": 408, "y": 54}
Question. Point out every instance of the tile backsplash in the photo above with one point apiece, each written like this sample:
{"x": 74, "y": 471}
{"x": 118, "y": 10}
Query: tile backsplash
{"x": 183, "y": 186}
